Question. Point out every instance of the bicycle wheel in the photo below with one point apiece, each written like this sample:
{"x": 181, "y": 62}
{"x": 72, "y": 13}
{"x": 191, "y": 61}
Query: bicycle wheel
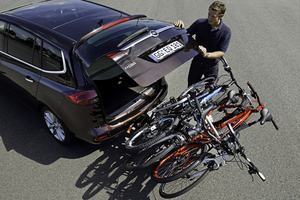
{"x": 149, "y": 134}
{"x": 179, "y": 163}
{"x": 146, "y": 157}
{"x": 233, "y": 113}
{"x": 199, "y": 88}
{"x": 185, "y": 183}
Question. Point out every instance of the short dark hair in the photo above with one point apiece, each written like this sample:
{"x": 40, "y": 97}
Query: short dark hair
{"x": 219, "y": 7}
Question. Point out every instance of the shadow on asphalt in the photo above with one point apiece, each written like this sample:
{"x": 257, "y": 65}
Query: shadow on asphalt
{"x": 24, "y": 131}
{"x": 108, "y": 174}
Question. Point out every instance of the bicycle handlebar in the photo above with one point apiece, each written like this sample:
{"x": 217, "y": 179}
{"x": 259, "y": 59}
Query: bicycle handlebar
{"x": 255, "y": 95}
{"x": 225, "y": 64}
{"x": 233, "y": 81}
{"x": 253, "y": 92}
{"x": 251, "y": 87}
{"x": 275, "y": 125}
{"x": 252, "y": 169}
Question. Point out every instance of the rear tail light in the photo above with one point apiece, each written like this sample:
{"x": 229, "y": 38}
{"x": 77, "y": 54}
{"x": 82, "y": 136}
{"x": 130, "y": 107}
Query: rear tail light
{"x": 106, "y": 26}
{"x": 87, "y": 97}
{"x": 118, "y": 55}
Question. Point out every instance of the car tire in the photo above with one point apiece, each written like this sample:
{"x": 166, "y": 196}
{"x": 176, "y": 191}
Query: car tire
{"x": 56, "y": 127}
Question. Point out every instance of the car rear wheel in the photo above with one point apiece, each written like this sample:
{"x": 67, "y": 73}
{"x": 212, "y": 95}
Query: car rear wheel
{"x": 57, "y": 128}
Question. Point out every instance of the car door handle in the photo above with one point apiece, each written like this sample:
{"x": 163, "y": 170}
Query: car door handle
{"x": 29, "y": 79}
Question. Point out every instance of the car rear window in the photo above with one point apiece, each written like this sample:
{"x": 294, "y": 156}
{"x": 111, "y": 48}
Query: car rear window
{"x": 107, "y": 40}
{"x": 52, "y": 58}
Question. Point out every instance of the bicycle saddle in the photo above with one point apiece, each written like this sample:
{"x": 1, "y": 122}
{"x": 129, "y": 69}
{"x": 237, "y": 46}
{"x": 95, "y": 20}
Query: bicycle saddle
{"x": 232, "y": 98}
{"x": 265, "y": 116}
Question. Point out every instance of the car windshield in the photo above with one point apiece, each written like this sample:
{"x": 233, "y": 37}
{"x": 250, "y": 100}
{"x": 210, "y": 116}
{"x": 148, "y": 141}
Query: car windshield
{"x": 107, "y": 40}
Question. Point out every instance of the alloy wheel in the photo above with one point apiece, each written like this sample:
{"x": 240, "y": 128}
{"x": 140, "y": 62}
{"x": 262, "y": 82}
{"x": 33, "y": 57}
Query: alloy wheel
{"x": 54, "y": 125}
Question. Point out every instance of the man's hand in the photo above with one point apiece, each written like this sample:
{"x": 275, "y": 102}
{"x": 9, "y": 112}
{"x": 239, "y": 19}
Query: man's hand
{"x": 210, "y": 55}
{"x": 179, "y": 24}
{"x": 203, "y": 51}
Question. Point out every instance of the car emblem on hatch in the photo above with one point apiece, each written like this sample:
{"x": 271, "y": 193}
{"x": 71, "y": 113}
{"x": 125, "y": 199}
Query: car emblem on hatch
{"x": 154, "y": 33}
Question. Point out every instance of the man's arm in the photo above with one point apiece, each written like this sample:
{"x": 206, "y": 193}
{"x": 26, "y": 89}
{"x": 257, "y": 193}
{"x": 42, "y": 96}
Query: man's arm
{"x": 210, "y": 55}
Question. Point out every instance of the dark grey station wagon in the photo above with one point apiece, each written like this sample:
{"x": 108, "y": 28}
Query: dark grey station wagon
{"x": 88, "y": 69}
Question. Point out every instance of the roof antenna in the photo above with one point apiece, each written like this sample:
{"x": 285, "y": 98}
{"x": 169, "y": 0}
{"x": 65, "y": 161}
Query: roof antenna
{"x": 100, "y": 22}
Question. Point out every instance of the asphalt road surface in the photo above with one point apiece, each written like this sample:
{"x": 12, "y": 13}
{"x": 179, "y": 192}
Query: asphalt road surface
{"x": 264, "y": 50}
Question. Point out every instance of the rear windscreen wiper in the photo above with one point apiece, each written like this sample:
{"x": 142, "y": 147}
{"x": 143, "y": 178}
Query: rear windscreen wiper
{"x": 134, "y": 35}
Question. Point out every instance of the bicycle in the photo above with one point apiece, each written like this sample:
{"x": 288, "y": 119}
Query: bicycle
{"x": 152, "y": 148}
{"x": 155, "y": 127}
{"x": 175, "y": 170}
{"x": 164, "y": 139}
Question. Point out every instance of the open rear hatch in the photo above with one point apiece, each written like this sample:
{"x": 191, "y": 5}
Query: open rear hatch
{"x": 141, "y": 50}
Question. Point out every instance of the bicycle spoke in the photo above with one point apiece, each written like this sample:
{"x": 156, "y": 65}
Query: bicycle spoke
{"x": 185, "y": 183}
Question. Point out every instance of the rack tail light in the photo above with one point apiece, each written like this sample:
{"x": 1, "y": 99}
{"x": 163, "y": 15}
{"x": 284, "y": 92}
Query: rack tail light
{"x": 118, "y": 55}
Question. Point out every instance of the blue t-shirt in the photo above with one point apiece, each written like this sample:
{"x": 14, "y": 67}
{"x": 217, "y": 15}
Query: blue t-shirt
{"x": 212, "y": 39}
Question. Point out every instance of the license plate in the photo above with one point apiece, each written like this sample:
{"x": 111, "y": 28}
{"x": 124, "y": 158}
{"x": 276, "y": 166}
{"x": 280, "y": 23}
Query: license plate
{"x": 166, "y": 51}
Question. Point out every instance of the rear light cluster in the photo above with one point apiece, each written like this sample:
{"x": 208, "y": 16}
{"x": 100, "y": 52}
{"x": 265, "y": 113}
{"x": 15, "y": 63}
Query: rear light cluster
{"x": 87, "y": 97}
{"x": 118, "y": 55}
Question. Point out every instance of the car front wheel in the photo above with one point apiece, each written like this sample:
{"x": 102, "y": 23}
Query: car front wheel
{"x": 57, "y": 128}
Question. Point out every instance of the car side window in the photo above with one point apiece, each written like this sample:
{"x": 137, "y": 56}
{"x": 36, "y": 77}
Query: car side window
{"x": 20, "y": 43}
{"x": 2, "y": 29}
{"x": 52, "y": 58}
{"x": 54, "y": 65}
{"x": 37, "y": 53}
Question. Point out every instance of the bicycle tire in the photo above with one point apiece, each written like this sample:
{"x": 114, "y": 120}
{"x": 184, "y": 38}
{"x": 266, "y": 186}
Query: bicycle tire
{"x": 147, "y": 135}
{"x": 179, "y": 163}
{"x": 199, "y": 86}
{"x": 224, "y": 113}
{"x": 184, "y": 184}
{"x": 147, "y": 157}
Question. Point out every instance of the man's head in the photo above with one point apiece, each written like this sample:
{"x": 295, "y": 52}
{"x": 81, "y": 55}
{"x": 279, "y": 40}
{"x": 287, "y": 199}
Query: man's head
{"x": 219, "y": 7}
{"x": 215, "y": 13}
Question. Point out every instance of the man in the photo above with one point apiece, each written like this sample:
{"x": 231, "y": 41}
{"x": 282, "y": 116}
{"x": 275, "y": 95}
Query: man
{"x": 213, "y": 37}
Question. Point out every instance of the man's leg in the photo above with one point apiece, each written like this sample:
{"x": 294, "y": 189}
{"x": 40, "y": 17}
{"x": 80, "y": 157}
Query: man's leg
{"x": 211, "y": 72}
{"x": 195, "y": 73}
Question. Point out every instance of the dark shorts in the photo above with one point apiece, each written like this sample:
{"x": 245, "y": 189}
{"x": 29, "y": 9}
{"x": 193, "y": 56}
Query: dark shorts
{"x": 198, "y": 72}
